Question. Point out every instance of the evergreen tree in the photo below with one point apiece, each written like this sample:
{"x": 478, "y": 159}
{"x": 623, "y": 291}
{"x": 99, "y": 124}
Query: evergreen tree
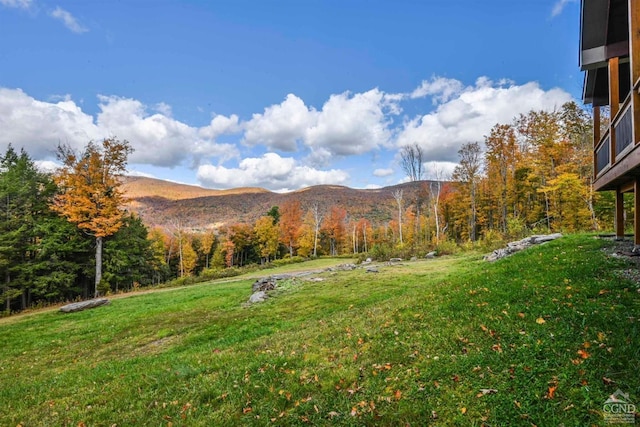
{"x": 24, "y": 196}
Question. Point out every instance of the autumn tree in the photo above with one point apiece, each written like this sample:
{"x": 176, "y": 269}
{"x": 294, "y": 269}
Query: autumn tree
{"x": 502, "y": 157}
{"x": 317, "y": 222}
{"x": 243, "y": 238}
{"x": 90, "y": 194}
{"x": 334, "y": 228}
{"x": 266, "y": 233}
{"x": 398, "y": 196}
{"x": 290, "y": 223}
{"x": 306, "y": 237}
{"x": 467, "y": 176}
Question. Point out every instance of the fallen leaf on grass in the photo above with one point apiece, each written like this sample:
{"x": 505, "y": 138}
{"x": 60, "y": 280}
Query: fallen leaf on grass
{"x": 540, "y": 321}
{"x": 583, "y": 354}
{"x": 463, "y": 411}
{"x": 485, "y": 391}
{"x": 607, "y": 381}
{"x": 551, "y": 392}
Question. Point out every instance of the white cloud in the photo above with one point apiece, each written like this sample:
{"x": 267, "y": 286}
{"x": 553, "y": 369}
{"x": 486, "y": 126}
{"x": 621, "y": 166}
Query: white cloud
{"x": 40, "y": 126}
{"x": 221, "y": 125}
{"x": 346, "y": 125}
{"x": 157, "y": 139}
{"x": 46, "y": 166}
{"x": 18, "y": 4}
{"x": 440, "y": 171}
{"x": 269, "y": 171}
{"x": 160, "y": 140}
{"x": 471, "y": 114}
{"x": 281, "y": 126}
{"x": 68, "y": 20}
{"x": 382, "y": 172}
{"x": 441, "y": 89}
{"x": 372, "y": 187}
{"x": 559, "y": 6}
{"x": 351, "y": 125}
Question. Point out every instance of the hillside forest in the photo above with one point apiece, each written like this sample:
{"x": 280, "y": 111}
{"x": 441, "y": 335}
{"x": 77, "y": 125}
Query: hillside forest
{"x": 67, "y": 235}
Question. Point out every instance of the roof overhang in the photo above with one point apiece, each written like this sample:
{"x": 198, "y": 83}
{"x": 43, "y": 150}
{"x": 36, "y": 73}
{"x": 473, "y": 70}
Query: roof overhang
{"x": 604, "y": 34}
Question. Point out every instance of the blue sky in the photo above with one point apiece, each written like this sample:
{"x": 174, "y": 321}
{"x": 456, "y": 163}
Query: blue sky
{"x": 279, "y": 94}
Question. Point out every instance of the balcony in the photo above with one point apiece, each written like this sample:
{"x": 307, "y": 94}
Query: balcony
{"x": 615, "y": 155}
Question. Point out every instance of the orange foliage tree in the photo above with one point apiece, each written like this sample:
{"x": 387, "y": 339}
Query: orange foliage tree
{"x": 89, "y": 190}
{"x": 334, "y": 227}
{"x": 290, "y": 223}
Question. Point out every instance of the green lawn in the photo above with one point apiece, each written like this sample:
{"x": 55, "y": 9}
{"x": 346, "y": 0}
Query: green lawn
{"x": 548, "y": 334}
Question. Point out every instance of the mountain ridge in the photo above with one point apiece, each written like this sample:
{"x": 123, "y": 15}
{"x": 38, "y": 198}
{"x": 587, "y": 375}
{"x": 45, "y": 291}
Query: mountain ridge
{"x": 167, "y": 204}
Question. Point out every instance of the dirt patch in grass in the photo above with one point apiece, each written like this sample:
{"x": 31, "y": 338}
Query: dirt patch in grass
{"x": 625, "y": 249}
{"x": 157, "y": 346}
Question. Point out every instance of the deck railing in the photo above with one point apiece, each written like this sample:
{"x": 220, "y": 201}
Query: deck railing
{"x": 621, "y": 127}
{"x": 624, "y": 129}
{"x": 603, "y": 155}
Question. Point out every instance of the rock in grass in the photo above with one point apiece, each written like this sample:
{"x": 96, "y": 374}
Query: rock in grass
{"x": 83, "y": 305}
{"x": 256, "y": 297}
{"x": 513, "y": 247}
{"x": 264, "y": 284}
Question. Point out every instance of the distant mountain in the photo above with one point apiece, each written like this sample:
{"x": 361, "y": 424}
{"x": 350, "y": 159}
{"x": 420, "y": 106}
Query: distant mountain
{"x": 163, "y": 203}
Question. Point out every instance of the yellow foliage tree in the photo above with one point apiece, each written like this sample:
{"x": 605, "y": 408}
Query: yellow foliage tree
{"x": 267, "y": 236}
{"x": 89, "y": 190}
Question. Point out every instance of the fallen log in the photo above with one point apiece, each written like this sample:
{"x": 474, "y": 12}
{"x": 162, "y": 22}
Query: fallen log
{"x": 83, "y": 305}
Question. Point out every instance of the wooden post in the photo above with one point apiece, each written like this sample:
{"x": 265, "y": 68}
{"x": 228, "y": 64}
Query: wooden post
{"x": 619, "y": 214}
{"x": 636, "y": 214}
{"x": 614, "y": 104}
{"x": 596, "y": 138}
{"x": 596, "y": 126}
{"x": 634, "y": 58}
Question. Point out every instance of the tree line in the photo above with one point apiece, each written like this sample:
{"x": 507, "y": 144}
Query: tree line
{"x": 531, "y": 175}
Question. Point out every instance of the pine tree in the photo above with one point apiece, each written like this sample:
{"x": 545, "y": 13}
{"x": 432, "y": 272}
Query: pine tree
{"x": 24, "y": 197}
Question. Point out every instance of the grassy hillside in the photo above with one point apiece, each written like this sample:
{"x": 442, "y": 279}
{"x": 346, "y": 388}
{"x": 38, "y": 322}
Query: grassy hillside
{"x": 540, "y": 338}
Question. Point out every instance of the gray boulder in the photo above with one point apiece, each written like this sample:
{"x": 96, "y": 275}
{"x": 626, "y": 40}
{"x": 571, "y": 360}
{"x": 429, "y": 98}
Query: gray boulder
{"x": 513, "y": 247}
{"x": 264, "y": 284}
{"x": 256, "y": 297}
{"x": 84, "y": 305}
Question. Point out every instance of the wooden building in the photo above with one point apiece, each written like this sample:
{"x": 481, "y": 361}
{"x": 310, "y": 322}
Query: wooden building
{"x": 610, "y": 57}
